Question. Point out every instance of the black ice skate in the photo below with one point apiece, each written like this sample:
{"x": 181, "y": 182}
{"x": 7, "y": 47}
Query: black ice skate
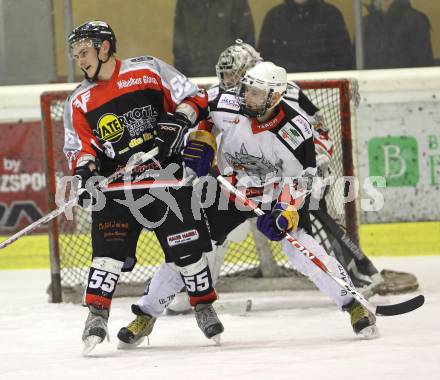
{"x": 95, "y": 329}
{"x": 136, "y": 331}
{"x": 362, "y": 320}
{"x": 208, "y": 321}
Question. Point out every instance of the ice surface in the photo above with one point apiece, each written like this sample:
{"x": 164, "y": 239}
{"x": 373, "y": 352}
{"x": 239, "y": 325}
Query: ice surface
{"x": 286, "y": 335}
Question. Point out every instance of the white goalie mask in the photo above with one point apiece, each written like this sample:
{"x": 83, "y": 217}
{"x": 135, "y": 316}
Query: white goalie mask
{"x": 234, "y": 62}
{"x": 261, "y": 89}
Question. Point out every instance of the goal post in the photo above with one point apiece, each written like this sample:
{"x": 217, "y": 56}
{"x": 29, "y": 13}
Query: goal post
{"x": 70, "y": 241}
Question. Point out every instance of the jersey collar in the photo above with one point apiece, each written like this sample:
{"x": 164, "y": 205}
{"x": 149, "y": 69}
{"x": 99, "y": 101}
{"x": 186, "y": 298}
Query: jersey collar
{"x": 267, "y": 125}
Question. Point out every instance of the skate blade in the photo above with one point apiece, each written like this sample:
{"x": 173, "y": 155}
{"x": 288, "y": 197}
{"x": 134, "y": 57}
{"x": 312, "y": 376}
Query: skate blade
{"x": 173, "y": 312}
{"x": 370, "y": 332}
{"x": 129, "y": 346}
{"x": 90, "y": 343}
{"x": 217, "y": 339}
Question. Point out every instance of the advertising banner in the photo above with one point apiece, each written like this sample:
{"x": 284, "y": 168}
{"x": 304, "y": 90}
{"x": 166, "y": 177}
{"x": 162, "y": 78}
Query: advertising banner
{"x": 400, "y": 141}
{"x": 22, "y": 179}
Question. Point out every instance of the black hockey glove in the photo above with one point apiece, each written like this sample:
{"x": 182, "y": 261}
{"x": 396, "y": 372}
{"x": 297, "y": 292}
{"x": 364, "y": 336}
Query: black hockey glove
{"x": 170, "y": 133}
{"x": 84, "y": 173}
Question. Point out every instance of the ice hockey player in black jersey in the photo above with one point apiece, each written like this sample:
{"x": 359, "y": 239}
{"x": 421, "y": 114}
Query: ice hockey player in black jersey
{"x": 123, "y": 109}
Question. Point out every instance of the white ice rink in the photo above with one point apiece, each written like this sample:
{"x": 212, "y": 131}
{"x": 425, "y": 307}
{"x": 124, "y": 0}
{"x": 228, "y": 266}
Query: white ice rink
{"x": 304, "y": 337}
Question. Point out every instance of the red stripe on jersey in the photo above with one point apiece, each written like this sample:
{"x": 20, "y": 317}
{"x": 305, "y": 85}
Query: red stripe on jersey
{"x": 143, "y": 184}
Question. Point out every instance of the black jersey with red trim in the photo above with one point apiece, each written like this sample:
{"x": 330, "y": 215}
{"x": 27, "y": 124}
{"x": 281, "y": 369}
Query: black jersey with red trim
{"x": 114, "y": 119}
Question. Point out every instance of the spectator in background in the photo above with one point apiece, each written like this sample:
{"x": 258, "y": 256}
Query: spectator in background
{"x": 396, "y": 35}
{"x": 203, "y": 28}
{"x": 306, "y": 35}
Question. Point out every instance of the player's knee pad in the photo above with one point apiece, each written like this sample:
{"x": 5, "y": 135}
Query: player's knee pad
{"x": 101, "y": 284}
{"x": 198, "y": 281}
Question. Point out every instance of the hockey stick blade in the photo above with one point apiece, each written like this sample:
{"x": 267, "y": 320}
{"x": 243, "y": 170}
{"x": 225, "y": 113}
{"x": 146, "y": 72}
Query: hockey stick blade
{"x": 401, "y": 308}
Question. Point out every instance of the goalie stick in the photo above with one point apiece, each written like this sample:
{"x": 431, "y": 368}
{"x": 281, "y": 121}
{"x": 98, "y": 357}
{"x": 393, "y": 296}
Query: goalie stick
{"x": 348, "y": 253}
{"x": 72, "y": 202}
{"x": 380, "y": 310}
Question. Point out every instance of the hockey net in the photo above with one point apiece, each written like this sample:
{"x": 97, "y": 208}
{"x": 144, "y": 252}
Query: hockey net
{"x": 251, "y": 258}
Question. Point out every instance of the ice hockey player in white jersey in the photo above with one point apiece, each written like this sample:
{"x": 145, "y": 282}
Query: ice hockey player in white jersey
{"x": 266, "y": 146}
{"x": 232, "y": 64}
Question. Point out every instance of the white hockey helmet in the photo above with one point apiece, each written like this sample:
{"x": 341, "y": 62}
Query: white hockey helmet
{"x": 262, "y": 88}
{"x": 233, "y": 62}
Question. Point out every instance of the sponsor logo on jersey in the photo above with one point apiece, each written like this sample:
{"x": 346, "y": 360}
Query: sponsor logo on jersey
{"x": 291, "y": 135}
{"x": 135, "y": 142}
{"x": 125, "y": 150}
{"x": 124, "y": 83}
{"x": 269, "y": 125}
{"x": 83, "y": 102}
{"x": 229, "y": 102}
{"x": 147, "y": 136}
{"x": 236, "y": 120}
{"x": 139, "y": 120}
{"x": 136, "y": 121}
{"x": 182, "y": 238}
{"x": 168, "y": 128}
{"x": 303, "y": 125}
{"x": 110, "y": 128}
{"x": 141, "y": 59}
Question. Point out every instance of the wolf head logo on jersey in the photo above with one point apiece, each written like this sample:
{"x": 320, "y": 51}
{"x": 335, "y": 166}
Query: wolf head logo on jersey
{"x": 254, "y": 166}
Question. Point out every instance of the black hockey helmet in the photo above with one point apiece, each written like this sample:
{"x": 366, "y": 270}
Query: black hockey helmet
{"x": 97, "y": 32}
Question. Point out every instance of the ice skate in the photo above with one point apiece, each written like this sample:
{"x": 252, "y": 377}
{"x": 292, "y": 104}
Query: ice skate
{"x": 180, "y": 304}
{"x": 136, "y": 331}
{"x": 362, "y": 320}
{"x": 95, "y": 329}
{"x": 208, "y": 321}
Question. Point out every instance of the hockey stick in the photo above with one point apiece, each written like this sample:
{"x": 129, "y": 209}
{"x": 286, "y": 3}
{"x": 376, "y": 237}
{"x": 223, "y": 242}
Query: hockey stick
{"x": 382, "y": 310}
{"x": 71, "y": 203}
{"x": 329, "y": 224}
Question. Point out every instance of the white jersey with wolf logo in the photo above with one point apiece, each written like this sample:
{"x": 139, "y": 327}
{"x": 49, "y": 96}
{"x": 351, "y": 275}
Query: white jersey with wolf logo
{"x": 262, "y": 154}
